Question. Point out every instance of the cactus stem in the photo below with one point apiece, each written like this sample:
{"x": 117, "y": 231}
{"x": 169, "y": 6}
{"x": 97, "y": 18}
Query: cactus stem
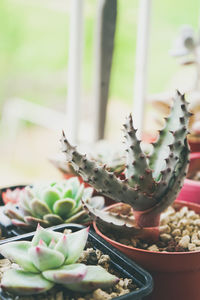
{"x": 183, "y": 107}
{"x": 130, "y": 133}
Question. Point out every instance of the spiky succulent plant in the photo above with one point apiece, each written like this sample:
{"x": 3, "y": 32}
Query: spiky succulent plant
{"x": 52, "y": 204}
{"x": 49, "y": 259}
{"x": 152, "y": 182}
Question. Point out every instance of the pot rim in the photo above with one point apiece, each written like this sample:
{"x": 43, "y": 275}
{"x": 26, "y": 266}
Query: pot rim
{"x": 191, "y": 205}
{"x": 192, "y": 182}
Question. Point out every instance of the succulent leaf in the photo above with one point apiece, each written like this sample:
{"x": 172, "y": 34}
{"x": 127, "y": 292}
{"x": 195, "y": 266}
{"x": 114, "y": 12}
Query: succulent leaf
{"x": 79, "y": 216}
{"x": 50, "y": 196}
{"x": 53, "y": 219}
{"x": 75, "y": 244}
{"x": 68, "y": 193}
{"x": 117, "y": 221}
{"x": 80, "y": 193}
{"x": 62, "y": 207}
{"x": 137, "y": 169}
{"x": 39, "y": 208}
{"x": 45, "y": 258}
{"x": 14, "y": 213}
{"x": 17, "y": 252}
{"x": 61, "y": 245}
{"x": 67, "y": 274}
{"x": 45, "y": 235}
{"x": 173, "y": 124}
{"x": 19, "y": 223}
{"x": 95, "y": 202}
{"x": 20, "y": 282}
{"x": 32, "y": 221}
{"x": 96, "y": 277}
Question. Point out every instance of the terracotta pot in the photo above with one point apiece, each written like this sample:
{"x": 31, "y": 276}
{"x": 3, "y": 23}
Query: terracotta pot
{"x": 194, "y": 145}
{"x": 176, "y": 274}
{"x": 191, "y": 189}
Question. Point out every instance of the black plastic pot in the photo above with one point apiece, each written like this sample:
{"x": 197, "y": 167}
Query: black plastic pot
{"x": 123, "y": 265}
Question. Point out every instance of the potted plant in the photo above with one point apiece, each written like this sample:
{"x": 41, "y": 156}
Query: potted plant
{"x": 152, "y": 184}
{"x": 50, "y": 204}
{"x": 54, "y": 265}
{"x": 191, "y": 188}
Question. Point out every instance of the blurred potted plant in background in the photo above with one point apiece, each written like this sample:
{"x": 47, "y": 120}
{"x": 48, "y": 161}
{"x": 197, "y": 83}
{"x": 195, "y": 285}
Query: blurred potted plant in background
{"x": 186, "y": 49}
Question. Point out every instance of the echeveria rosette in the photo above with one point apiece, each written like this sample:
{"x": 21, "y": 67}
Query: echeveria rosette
{"x": 51, "y": 204}
{"x": 49, "y": 259}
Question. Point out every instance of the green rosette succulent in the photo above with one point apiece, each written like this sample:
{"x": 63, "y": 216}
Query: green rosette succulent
{"x": 52, "y": 204}
{"x": 49, "y": 259}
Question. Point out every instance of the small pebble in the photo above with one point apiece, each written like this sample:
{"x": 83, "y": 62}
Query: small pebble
{"x": 184, "y": 242}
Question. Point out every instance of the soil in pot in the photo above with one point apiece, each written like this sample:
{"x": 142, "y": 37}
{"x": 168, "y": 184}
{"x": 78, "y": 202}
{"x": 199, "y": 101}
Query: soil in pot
{"x": 176, "y": 274}
{"x": 179, "y": 232}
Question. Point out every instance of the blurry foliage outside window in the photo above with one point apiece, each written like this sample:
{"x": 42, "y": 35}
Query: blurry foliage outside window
{"x": 34, "y": 39}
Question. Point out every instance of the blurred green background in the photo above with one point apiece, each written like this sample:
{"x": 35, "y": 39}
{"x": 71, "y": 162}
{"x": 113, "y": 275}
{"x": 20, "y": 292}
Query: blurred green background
{"x": 34, "y": 47}
{"x": 34, "y": 37}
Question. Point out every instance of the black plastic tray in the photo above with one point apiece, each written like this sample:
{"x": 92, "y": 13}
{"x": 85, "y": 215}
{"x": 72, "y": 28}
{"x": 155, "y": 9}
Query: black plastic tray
{"x": 123, "y": 265}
